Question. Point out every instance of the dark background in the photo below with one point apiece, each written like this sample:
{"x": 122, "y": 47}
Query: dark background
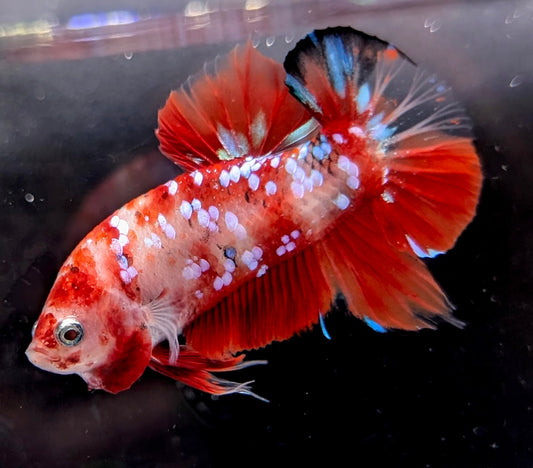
{"x": 76, "y": 141}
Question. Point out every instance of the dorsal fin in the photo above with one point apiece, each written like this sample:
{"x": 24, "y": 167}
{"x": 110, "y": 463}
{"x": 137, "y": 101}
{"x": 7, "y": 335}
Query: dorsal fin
{"x": 243, "y": 109}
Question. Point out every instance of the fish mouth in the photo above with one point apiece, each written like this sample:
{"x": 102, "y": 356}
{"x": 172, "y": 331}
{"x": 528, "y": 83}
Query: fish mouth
{"x": 40, "y": 358}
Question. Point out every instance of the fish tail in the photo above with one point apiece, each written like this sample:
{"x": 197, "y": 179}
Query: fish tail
{"x": 195, "y": 370}
{"x": 376, "y": 104}
{"x": 416, "y": 135}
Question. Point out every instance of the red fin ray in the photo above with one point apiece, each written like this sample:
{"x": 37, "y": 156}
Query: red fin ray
{"x": 390, "y": 287}
{"x": 430, "y": 194}
{"x": 284, "y": 301}
{"x": 243, "y": 109}
{"x": 195, "y": 370}
{"x": 413, "y": 130}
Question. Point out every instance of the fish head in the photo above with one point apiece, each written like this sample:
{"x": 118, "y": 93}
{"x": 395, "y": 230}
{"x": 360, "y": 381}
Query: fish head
{"x": 91, "y": 327}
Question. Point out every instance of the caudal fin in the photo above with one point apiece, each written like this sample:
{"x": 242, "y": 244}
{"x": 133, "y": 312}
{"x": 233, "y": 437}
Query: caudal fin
{"x": 417, "y": 136}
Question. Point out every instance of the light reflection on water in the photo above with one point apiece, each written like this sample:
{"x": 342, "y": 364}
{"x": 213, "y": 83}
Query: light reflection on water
{"x": 79, "y": 92}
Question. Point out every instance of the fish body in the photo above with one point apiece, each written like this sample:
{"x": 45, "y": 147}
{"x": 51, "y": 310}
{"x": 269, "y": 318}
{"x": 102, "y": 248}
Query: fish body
{"x": 287, "y": 203}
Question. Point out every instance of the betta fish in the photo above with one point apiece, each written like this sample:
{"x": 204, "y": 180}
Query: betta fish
{"x": 335, "y": 174}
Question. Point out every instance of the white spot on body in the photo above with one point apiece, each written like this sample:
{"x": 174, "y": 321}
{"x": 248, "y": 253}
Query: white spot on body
{"x": 123, "y": 240}
{"x": 114, "y": 221}
{"x": 271, "y": 188}
{"x": 132, "y": 272}
{"x": 123, "y": 227}
{"x": 231, "y": 221}
{"x": 203, "y": 218}
{"x": 172, "y": 187}
{"x": 262, "y": 270}
{"x": 257, "y": 252}
{"x": 224, "y": 178}
{"x": 226, "y": 278}
{"x": 246, "y": 169}
{"x": 213, "y": 212}
{"x": 161, "y": 220}
{"x": 169, "y": 231}
{"x": 199, "y": 294}
{"x": 297, "y": 189}
{"x": 338, "y": 138}
{"x": 290, "y": 246}
{"x": 198, "y": 177}
{"x": 352, "y": 182}
{"x": 116, "y": 247}
{"x": 281, "y": 250}
{"x": 235, "y": 174}
{"x": 299, "y": 175}
{"x": 317, "y": 178}
{"x": 342, "y": 201}
{"x": 204, "y": 264}
{"x": 295, "y": 234}
{"x": 285, "y": 239}
{"x": 274, "y": 162}
{"x": 229, "y": 265}
{"x": 218, "y": 283}
{"x": 253, "y": 182}
{"x": 186, "y": 209}
{"x": 196, "y": 204}
{"x": 291, "y": 165}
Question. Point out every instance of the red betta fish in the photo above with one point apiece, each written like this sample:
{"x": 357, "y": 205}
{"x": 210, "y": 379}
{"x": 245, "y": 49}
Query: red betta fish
{"x": 289, "y": 201}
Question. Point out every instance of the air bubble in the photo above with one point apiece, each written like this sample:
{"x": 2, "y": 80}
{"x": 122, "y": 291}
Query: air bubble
{"x": 29, "y": 197}
{"x": 516, "y": 81}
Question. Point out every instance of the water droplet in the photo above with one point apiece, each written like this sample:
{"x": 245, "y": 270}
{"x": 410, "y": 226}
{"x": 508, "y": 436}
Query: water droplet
{"x": 432, "y": 24}
{"x": 270, "y": 41}
{"x": 128, "y": 55}
{"x": 29, "y": 197}
{"x": 40, "y": 94}
{"x": 516, "y": 81}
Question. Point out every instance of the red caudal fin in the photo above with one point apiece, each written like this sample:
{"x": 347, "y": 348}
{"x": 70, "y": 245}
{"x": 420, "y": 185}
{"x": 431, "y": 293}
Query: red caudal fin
{"x": 384, "y": 286}
{"x": 195, "y": 370}
{"x": 406, "y": 120}
{"x": 243, "y": 109}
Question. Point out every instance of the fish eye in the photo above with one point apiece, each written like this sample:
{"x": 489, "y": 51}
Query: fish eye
{"x": 69, "y": 332}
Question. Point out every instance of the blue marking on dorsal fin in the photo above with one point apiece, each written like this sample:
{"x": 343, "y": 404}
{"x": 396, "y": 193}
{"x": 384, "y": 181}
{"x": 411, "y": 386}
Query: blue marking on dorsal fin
{"x": 375, "y": 326}
{"x": 323, "y": 326}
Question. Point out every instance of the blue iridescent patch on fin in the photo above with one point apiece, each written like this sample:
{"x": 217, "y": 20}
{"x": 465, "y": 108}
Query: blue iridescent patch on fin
{"x": 375, "y": 326}
{"x": 302, "y": 93}
{"x": 323, "y": 326}
{"x": 335, "y": 56}
{"x": 363, "y": 98}
{"x": 381, "y": 132}
{"x": 419, "y": 252}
